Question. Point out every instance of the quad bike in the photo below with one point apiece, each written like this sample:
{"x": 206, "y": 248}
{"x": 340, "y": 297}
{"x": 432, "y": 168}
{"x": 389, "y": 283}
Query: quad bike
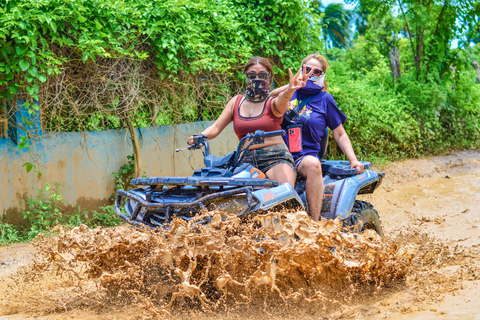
{"x": 229, "y": 185}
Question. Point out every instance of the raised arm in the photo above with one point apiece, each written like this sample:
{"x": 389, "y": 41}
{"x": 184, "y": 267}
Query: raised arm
{"x": 221, "y": 123}
{"x": 280, "y": 103}
{"x": 340, "y": 135}
{"x": 277, "y": 91}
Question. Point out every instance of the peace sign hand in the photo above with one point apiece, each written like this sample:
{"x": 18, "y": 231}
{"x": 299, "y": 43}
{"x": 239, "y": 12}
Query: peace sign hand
{"x": 300, "y": 79}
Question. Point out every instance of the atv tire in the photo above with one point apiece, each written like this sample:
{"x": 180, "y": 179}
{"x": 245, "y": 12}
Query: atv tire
{"x": 365, "y": 217}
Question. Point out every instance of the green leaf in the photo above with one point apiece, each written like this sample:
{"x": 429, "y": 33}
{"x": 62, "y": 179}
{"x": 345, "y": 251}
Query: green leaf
{"x": 85, "y": 56}
{"x": 23, "y": 143}
{"x": 24, "y": 64}
{"x": 28, "y": 166}
{"x": 98, "y": 25}
{"x": 13, "y": 89}
{"x": 21, "y": 50}
{"x": 33, "y": 71}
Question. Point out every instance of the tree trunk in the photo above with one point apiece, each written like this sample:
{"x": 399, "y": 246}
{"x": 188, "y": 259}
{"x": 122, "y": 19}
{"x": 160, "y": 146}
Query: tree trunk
{"x": 453, "y": 69}
{"x": 395, "y": 63}
{"x": 136, "y": 147}
{"x": 477, "y": 69}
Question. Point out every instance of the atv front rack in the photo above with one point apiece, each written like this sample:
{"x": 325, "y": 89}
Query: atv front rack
{"x": 201, "y": 181}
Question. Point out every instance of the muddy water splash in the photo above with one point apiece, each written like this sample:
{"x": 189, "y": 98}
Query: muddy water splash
{"x": 228, "y": 263}
{"x": 273, "y": 260}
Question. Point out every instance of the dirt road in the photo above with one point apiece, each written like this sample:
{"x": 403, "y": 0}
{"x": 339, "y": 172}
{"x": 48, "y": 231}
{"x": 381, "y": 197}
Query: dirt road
{"x": 440, "y": 195}
{"x": 433, "y": 203}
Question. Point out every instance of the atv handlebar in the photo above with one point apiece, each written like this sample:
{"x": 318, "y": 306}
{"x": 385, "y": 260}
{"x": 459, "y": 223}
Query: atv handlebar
{"x": 199, "y": 140}
{"x": 258, "y": 137}
{"x": 263, "y": 134}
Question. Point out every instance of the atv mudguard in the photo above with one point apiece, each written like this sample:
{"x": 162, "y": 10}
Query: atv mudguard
{"x": 339, "y": 195}
{"x": 271, "y": 197}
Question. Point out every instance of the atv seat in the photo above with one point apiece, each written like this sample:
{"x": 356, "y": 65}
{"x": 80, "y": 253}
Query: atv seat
{"x": 218, "y": 162}
{"x": 341, "y": 168}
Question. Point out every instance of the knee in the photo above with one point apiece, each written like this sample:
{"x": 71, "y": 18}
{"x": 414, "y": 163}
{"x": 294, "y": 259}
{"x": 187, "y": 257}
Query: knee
{"x": 311, "y": 166}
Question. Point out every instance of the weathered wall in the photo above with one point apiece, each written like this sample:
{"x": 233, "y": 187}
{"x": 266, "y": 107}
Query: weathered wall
{"x": 83, "y": 162}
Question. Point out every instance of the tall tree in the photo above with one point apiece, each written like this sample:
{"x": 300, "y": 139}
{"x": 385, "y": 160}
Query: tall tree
{"x": 430, "y": 26}
{"x": 336, "y": 25}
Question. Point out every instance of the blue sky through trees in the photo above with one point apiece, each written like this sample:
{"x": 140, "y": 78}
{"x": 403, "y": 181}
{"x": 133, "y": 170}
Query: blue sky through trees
{"x": 454, "y": 43}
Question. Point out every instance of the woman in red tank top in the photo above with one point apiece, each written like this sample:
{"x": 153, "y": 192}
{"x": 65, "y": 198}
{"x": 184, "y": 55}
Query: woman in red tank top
{"x": 256, "y": 111}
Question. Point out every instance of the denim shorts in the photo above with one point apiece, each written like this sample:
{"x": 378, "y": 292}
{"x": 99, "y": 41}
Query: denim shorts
{"x": 268, "y": 157}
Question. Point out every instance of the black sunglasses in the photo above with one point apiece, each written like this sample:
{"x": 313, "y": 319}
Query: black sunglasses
{"x": 317, "y": 72}
{"x": 262, "y": 75}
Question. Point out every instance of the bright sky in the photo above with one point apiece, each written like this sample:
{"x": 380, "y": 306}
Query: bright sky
{"x": 345, "y": 6}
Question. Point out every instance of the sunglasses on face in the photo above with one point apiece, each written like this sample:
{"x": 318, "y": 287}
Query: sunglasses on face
{"x": 316, "y": 72}
{"x": 262, "y": 75}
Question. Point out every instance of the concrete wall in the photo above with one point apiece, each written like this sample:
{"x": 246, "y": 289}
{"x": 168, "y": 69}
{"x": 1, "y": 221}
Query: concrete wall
{"x": 83, "y": 162}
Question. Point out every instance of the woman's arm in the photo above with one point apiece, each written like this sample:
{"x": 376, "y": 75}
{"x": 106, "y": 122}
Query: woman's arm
{"x": 280, "y": 103}
{"x": 278, "y": 90}
{"x": 225, "y": 118}
{"x": 340, "y": 135}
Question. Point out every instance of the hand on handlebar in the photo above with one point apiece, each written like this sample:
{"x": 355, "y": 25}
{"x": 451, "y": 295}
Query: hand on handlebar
{"x": 197, "y": 139}
{"x": 357, "y": 165}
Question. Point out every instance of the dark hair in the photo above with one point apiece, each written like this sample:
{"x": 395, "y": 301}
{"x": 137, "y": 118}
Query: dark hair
{"x": 259, "y": 60}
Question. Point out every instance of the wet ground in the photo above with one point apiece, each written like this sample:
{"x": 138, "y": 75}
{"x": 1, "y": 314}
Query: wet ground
{"x": 428, "y": 266}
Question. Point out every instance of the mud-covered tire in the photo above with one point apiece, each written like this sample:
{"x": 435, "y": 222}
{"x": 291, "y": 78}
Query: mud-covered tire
{"x": 365, "y": 217}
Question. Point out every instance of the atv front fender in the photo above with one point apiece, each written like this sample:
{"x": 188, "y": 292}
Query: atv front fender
{"x": 271, "y": 197}
{"x": 345, "y": 191}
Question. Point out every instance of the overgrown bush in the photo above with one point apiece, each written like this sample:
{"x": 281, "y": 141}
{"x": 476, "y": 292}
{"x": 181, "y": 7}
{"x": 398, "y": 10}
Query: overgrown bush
{"x": 408, "y": 118}
{"x": 94, "y": 63}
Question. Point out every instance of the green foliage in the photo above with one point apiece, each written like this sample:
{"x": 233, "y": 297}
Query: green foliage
{"x": 125, "y": 174}
{"x": 433, "y": 107}
{"x": 429, "y": 28}
{"x": 30, "y": 167}
{"x": 39, "y": 39}
{"x": 336, "y": 25}
{"x": 364, "y": 57}
{"x": 105, "y": 218}
{"x": 44, "y": 211}
{"x": 9, "y": 234}
{"x": 379, "y": 124}
{"x": 410, "y": 117}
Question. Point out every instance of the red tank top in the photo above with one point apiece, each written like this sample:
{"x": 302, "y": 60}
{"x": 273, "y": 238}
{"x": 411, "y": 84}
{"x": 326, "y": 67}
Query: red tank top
{"x": 266, "y": 121}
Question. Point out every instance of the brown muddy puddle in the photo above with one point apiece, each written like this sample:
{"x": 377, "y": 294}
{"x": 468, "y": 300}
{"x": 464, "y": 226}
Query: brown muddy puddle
{"x": 279, "y": 266}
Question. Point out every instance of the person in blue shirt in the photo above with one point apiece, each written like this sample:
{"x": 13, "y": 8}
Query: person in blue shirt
{"x": 315, "y": 116}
